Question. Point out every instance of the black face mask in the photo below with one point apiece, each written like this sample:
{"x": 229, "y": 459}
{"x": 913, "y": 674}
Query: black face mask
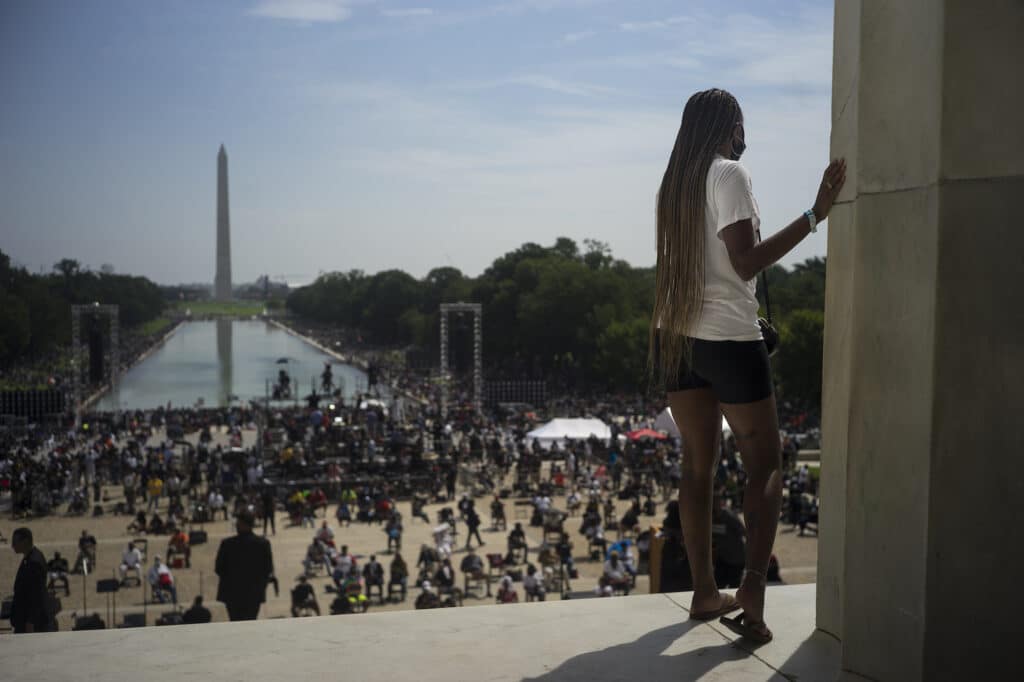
{"x": 738, "y": 147}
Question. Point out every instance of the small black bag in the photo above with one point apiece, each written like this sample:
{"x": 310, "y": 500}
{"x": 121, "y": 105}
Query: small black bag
{"x": 768, "y": 330}
{"x": 770, "y": 334}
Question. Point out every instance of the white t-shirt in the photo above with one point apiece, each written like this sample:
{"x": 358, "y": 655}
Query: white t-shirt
{"x": 730, "y": 304}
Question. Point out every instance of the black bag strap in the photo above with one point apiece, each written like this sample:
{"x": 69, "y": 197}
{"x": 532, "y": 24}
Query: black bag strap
{"x": 767, "y": 300}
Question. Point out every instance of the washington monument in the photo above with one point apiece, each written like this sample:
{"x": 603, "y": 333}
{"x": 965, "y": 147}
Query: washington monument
{"x": 222, "y": 280}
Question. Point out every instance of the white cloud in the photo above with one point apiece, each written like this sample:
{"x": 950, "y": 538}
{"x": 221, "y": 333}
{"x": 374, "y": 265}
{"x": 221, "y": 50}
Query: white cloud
{"x": 539, "y": 81}
{"x": 408, "y": 12}
{"x": 571, "y": 38}
{"x": 555, "y": 85}
{"x": 307, "y": 11}
{"x": 656, "y": 25}
{"x": 746, "y": 56}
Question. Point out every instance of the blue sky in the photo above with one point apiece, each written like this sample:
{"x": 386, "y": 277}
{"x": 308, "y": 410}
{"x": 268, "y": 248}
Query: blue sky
{"x": 375, "y": 134}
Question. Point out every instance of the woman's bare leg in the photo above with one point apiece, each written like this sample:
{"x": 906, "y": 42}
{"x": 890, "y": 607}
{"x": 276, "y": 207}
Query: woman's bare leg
{"x": 696, "y": 413}
{"x": 756, "y": 427}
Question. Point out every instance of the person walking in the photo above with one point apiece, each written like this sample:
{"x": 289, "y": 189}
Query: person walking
{"x": 244, "y": 565}
{"x": 268, "y": 508}
{"x": 473, "y": 526}
{"x": 706, "y": 347}
{"x": 29, "y": 612}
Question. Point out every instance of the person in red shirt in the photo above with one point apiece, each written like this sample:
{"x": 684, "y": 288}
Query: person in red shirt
{"x": 178, "y": 544}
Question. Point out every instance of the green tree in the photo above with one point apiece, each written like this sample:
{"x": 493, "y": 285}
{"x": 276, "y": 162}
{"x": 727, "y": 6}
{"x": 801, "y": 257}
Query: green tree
{"x": 15, "y": 327}
{"x": 622, "y": 353}
{"x": 557, "y": 310}
{"x": 798, "y": 363}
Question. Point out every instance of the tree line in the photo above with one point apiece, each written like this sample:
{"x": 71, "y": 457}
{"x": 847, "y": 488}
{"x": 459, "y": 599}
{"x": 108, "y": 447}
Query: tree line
{"x": 578, "y": 318}
{"x": 35, "y": 309}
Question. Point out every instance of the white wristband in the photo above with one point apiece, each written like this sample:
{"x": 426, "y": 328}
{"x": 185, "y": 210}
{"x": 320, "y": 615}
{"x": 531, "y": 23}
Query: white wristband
{"x": 812, "y": 219}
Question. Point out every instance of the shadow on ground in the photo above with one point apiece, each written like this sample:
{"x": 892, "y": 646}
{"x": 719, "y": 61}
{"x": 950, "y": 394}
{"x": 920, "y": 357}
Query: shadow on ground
{"x": 644, "y": 659}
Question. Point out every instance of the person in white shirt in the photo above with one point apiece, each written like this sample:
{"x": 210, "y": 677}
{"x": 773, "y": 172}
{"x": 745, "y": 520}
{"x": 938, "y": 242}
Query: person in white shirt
{"x": 325, "y": 535}
{"x": 533, "y": 583}
{"x": 216, "y": 503}
{"x": 254, "y": 474}
{"x": 160, "y": 578}
{"x": 131, "y": 560}
{"x": 706, "y": 346}
{"x": 615, "y": 575}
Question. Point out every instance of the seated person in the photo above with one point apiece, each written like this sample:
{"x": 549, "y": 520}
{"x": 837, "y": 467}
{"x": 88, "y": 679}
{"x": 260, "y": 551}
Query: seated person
{"x": 178, "y": 544}
{"x": 318, "y": 499}
{"x": 373, "y": 572}
{"x": 161, "y": 580}
{"x": 517, "y": 539}
{"x": 139, "y": 524}
{"x": 86, "y": 549}
{"x": 445, "y": 576}
{"x": 428, "y": 557}
{"x": 352, "y": 588}
{"x": 304, "y": 597}
{"x": 156, "y": 525}
{"x": 316, "y": 555}
{"x": 558, "y": 478}
{"x": 533, "y": 584}
{"x": 344, "y": 566}
{"x": 131, "y": 560}
{"x": 325, "y": 535}
{"x": 428, "y": 599}
{"x": 197, "y": 614}
{"x": 57, "y": 569}
{"x": 547, "y": 556}
{"x": 595, "y": 537}
{"x": 553, "y": 519}
{"x": 344, "y": 514}
{"x": 215, "y": 503}
{"x": 399, "y": 575}
{"x": 472, "y": 565}
{"x": 573, "y": 502}
{"x": 591, "y": 518}
{"x": 341, "y": 606}
{"x": 624, "y": 548}
{"x": 176, "y": 508}
{"x": 364, "y": 510}
{"x": 615, "y": 575}
{"x": 382, "y": 509}
{"x": 506, "y": 592}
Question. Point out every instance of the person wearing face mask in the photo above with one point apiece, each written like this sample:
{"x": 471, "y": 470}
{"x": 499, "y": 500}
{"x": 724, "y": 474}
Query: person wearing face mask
{"x": 706, "y": 348}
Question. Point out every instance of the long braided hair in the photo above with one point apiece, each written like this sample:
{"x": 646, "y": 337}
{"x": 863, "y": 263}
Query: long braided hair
{"x": 709, "y": 119}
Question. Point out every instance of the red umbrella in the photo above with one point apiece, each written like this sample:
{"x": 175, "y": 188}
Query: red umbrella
{"x": 646, "y": 433}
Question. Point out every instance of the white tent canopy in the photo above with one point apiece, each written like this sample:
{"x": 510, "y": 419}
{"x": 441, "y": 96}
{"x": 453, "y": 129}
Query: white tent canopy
{"x": 666, "y": 423}
{"x": 577, "y": 429}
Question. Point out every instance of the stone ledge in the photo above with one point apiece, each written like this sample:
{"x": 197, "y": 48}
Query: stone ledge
{"x": 646, "y": 637}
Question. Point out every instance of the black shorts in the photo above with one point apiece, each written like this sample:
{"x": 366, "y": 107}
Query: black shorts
{"x": 737, "y": 371}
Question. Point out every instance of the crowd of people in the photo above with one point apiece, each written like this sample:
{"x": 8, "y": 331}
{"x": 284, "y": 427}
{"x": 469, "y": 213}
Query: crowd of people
{"x": 364, "y": 461}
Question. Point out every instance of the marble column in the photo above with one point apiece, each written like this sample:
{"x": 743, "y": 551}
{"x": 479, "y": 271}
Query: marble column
{"x": 924, "y": 357}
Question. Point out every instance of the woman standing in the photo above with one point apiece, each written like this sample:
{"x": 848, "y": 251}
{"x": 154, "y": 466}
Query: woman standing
{"x": 706, "y": 346}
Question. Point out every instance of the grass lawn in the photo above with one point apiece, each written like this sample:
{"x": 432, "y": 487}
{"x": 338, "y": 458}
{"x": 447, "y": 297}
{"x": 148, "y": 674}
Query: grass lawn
{"x": 154, "y": 326}
{"x": 239, "y": 308}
